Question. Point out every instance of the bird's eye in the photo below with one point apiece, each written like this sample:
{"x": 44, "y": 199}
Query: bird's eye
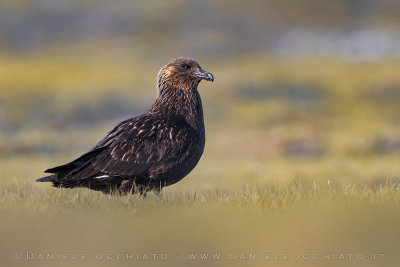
{"x": 185, "y": 66}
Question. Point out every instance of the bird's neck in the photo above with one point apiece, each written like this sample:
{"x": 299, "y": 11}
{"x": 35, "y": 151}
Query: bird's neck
{"x": 183, "y": 102}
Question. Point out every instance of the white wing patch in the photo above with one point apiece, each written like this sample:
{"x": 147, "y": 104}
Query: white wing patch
{"x": 102, "y": 176}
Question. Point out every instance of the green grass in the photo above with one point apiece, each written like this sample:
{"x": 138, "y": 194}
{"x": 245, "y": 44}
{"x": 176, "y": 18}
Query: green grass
{"x": 267, "y": 199}
{"x": 295, "y": 217}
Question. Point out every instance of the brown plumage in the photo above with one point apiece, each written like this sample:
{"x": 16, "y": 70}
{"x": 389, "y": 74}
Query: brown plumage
{"x": 150, "y": 151}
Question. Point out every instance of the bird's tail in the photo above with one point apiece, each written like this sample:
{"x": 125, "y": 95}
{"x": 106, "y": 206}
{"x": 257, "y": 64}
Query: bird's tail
{"x": 50, "y": 178}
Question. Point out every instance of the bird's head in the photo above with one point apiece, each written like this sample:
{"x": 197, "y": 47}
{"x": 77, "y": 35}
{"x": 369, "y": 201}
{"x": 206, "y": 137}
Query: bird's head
{"x": 182, "y": 72}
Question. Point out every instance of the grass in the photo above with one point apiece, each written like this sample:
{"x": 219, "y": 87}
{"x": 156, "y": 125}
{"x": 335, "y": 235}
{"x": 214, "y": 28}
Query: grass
{"x": 295, "y": 217}
{"x": 265, "y": 199}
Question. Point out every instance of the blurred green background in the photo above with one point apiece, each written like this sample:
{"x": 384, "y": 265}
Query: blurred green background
{"x": 305, "y": 92}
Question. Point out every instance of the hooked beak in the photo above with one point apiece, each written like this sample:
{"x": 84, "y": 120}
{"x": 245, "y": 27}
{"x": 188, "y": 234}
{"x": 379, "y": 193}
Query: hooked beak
{"x": 202, "y": 74}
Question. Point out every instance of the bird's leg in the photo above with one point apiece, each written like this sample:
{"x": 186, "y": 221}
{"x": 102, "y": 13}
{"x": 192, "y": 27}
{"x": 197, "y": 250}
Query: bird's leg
{"x": 142, "y": 190}
{"x": 157, "y": 191}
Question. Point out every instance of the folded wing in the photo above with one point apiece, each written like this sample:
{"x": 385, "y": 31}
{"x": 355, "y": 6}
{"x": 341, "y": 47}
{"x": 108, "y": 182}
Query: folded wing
{"x": 134, "y": 149}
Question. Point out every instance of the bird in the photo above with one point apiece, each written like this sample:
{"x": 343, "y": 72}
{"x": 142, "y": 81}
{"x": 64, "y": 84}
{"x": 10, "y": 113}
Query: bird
{"x": 150, "y": 151}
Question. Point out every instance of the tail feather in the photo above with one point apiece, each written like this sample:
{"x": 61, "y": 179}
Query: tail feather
{"x": 50, "y": 178}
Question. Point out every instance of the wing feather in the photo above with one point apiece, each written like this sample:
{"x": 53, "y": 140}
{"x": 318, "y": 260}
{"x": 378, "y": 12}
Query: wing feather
{"x": 136, "y": 147}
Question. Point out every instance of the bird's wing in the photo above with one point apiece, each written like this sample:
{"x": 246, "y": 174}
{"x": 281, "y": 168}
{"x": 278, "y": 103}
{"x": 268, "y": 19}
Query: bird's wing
{"x": 136, "y": 147}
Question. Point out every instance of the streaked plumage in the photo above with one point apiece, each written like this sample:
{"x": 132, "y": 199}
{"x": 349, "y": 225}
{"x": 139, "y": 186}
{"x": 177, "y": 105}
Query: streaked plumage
{"x": 150, "y": 151}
